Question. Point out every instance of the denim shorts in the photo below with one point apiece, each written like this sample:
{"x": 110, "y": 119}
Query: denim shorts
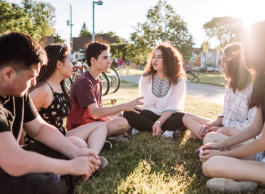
{"x": 120, "y": 67}
{"x": 260, "y": 157}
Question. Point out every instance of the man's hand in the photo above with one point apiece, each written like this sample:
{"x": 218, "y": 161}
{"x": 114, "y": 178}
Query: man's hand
{"x": 132, "y": 106}
{"x": 156, "y": 129}
{"x": 85, "y": 166}
{"x": 85, "y": 152}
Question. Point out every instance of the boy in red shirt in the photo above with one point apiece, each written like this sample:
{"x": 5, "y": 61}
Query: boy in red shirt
{"x": 86, "y": 94}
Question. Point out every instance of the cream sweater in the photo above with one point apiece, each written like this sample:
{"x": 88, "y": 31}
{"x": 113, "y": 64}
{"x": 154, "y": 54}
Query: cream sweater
{"x": 171, "y": 100}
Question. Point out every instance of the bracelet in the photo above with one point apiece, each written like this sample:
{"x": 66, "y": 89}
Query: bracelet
{"x": 159, "y": 123}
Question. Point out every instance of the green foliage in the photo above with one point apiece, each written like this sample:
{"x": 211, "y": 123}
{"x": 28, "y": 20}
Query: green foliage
{"x": 58, "y": 39}
{"x": 163, "y": 24}
{"x": 205, "y": 46}
{"x": 14, "y": 18}
{"x": 225, "y": 29}
{"x": 119, "y": 50}
{"x": 84, "y": 31}
{"x": 42, "y": 14}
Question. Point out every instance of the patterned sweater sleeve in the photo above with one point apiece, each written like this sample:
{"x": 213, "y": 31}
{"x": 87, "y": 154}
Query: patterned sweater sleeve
{"x": 177, "y": 98}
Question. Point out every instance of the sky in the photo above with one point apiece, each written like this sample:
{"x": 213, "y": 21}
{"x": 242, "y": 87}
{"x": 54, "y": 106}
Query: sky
{"x": 121, "y": 16}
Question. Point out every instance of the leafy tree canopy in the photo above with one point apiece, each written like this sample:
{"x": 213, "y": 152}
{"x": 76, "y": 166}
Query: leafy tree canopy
{"x": 163, "y": 24}
{"x": 42, "y": 14}
{"x": 224, "y": 29}
{"x": 84, "y": 31}
{"x": 14, "y": 18}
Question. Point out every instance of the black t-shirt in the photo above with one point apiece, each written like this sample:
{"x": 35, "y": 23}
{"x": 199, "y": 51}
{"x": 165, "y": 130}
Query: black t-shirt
{"x": 14, "y": 111}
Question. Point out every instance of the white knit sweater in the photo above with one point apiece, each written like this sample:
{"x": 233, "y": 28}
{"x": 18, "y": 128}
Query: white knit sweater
{"x": 170, "y": 101}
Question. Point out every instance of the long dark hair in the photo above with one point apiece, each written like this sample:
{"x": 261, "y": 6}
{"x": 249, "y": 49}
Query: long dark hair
{"x": 253, "y": 51}
{"x": 237, "y": 73}
{"x": 54, "y": 52}
{"x": 172, "y": 63}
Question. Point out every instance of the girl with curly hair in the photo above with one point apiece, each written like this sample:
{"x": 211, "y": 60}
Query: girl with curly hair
{"x": 164, "y": 89}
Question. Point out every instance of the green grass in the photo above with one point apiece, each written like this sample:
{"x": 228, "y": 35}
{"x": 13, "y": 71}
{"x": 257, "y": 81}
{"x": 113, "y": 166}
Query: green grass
{"x": 152, "y": 165}
{"x": 217, "y": 79}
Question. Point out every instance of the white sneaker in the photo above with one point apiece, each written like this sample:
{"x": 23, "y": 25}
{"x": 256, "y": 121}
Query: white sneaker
{"x": 135, "y": 131}
{"x": 168, "y": 134}
{"x": 225, "y": 184}
{"x": 192, "y": 136}
{"x": 104, "y": 162}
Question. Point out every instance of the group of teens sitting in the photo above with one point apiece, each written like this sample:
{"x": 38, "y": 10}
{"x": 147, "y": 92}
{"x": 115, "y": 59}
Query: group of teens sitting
{"x": 39, "y": 155}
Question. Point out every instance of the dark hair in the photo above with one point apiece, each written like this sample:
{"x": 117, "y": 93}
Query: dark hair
{"x": 94, "y": 49}
{"x": 172, "y": 63}
{"x": 253, "y": 51}
{"x": 20, "y": 51}
{"x": 54, "y": 52}
{"x": 237, "y": 73}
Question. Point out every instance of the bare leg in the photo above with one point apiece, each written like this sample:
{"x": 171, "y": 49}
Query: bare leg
{"x": 217, "y": 137}
{"x": 236, "y": 169}
{"x": 117, "y": 126}
{"x": 94, "y": 134}
{"x": 194, "y": 122}
{"x": 228, "y": 131}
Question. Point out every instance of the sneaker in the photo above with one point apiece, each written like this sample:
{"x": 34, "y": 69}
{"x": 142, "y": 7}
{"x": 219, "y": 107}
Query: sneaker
{"x": 135, "y": 131}
{"x": 192, "y": 136}
{"x": 104, "y": 162}
{"x": 107, "y": 145}
{"x": 226, "y": 185}
{"x": 168, "y": 134}
{"x": 120, "y": 138}
{"x": 177, "y": 134}
{"x": 197, "y": 153}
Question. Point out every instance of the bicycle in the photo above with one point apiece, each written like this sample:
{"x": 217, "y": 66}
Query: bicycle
{"x": 110, "y": 80}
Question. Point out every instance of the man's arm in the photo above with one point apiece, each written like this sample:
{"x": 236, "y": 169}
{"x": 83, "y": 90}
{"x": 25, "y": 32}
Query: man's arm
{"x": 98, "y": 112}
{"x": 17, "y": 162}
{"x": 53, "y": 138}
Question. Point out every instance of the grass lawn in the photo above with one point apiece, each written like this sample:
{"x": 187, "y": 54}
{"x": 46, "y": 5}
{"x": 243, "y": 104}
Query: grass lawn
{"x": 152, "y": 164}
{"x": 217, "y": 79}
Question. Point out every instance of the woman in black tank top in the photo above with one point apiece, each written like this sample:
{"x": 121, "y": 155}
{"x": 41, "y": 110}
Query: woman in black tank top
{"x": 53, "y": 103}
{"x": 241, "y": 166}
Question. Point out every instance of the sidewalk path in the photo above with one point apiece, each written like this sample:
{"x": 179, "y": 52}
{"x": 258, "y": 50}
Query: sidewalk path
{"x": 207, "y": 92}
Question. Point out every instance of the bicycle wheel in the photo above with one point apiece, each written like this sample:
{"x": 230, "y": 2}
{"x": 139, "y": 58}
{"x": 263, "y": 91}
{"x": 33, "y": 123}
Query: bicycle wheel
{"x": 68, "y": 83}
{"x": 114, "y": 80}
{"x": 105, "y": 83}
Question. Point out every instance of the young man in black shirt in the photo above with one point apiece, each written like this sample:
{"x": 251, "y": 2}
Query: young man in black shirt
{"x": 28, "y": 169}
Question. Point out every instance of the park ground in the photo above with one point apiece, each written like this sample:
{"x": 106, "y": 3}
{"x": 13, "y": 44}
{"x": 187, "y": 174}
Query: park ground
{"x": 152, "y": 165}
{"x": 210, "y": 78}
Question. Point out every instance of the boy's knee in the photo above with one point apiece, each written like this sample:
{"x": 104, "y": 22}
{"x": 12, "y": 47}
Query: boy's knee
{"x": 77, "y": 141}
{"x": 123, "y": 124}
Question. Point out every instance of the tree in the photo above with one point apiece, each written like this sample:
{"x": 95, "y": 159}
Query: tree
{"x": 14, "y": 18}
{"x": 109, "y": 34}
{"x": 42, "y": 14}
{"x": 84, "y": 31}
{"x": 58, "y": 39}
{"x": 163, "y": 24}
{"x": 225, "y": 29}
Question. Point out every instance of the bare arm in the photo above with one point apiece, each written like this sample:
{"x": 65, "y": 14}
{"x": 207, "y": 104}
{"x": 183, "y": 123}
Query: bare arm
{"x": 17, "y": 162}
{"x": 98, "y": 112}
{"x": 252, "y": 131}
{"x": 218, "y": 121}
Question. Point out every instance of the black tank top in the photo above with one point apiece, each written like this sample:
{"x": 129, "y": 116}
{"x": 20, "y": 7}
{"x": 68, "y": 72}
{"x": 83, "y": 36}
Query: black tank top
{"x": 55, "y": 113}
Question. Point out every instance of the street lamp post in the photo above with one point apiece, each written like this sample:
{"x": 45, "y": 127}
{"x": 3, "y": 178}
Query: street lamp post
{"x": 98, "y": 3}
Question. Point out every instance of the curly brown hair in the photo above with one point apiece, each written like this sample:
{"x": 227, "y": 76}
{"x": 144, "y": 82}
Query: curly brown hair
{"x": 172, "y": 63}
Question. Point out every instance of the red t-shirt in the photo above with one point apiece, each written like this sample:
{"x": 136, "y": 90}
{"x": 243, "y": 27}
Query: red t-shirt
{"x": 86, "y": 90}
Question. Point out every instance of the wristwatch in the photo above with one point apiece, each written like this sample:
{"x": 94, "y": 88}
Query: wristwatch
{"x": 159, "y": 123}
